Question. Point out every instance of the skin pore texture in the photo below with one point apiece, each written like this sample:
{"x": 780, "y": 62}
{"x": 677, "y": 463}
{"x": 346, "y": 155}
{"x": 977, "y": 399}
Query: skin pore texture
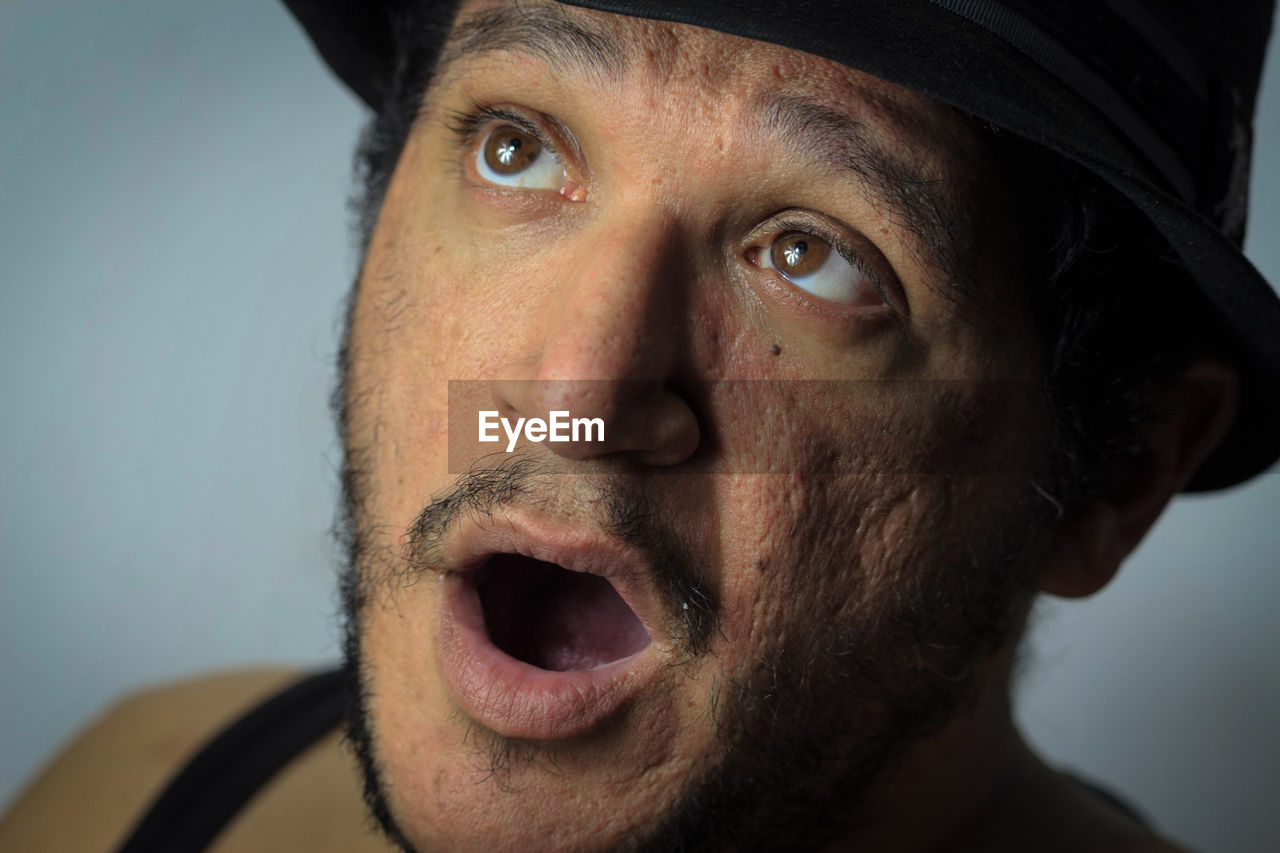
{"x": 821, "y": 501}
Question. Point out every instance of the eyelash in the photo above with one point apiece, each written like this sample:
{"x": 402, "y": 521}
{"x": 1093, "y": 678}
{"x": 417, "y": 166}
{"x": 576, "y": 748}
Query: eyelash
{"x": 467, "y": 125}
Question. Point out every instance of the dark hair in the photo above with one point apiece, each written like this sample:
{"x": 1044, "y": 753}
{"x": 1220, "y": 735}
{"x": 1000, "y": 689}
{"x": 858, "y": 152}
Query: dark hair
{"x": 418, "y": 31}
{"x": 1119, "y": 313}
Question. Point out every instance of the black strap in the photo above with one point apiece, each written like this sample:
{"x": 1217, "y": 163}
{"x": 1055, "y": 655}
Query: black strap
{"x": 204, "y": 797}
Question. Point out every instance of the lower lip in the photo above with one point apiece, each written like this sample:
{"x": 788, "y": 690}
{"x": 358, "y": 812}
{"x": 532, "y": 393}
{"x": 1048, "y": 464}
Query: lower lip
{"x": 516, "y": 699}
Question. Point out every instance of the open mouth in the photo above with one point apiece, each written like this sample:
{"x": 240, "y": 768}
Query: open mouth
{"x": 555, "y": 619}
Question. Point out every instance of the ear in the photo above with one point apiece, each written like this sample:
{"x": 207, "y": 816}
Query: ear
{"x": 1195, "y": 411}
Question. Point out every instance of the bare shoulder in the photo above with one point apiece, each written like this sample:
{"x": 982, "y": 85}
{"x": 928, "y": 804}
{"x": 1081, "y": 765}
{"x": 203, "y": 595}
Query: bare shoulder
{"x": 89, "y": 795}
{"x": 1039, "y": 808}
{"x": 1100, "y": 825}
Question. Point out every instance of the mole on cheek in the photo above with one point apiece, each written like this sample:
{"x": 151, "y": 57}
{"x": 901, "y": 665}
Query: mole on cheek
{"x": 775, "y": 349}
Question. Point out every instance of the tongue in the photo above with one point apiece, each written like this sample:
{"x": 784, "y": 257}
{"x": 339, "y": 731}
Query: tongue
{"x": 556, "y": 619}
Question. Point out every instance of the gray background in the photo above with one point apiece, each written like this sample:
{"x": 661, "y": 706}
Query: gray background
{"x": 173, "y": 255}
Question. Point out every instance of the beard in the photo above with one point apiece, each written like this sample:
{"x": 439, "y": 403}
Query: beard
{"x": 817, "y": 719}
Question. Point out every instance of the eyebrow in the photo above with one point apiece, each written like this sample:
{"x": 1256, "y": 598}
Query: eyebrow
{"x": 901, "y": 191}
{"x": 912, "y": 199}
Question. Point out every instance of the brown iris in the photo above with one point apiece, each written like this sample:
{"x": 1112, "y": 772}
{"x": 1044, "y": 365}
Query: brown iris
{"x": 799, "y": 254}
{"x": 509, "y": 151}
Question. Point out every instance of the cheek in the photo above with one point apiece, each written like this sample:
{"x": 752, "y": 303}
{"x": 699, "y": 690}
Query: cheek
{"x": 428, "y": 310}
{"x": 816, "y": 549}
{"x": 876, "y": 491}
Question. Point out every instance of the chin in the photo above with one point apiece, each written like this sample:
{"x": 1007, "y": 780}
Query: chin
{"x": 451, "y": 783}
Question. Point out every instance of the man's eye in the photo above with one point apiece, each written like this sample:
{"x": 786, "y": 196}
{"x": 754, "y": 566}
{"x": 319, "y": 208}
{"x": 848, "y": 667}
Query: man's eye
{"x": 509, "y": 157}
{"x": 812, "y": 264}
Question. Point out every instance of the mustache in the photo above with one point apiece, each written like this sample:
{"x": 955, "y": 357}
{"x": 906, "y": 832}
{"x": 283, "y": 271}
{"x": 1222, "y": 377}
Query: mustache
{"x": 617, "y": 504}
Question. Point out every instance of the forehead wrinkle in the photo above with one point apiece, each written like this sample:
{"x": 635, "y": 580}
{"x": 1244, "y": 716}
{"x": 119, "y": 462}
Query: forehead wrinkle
{"x": 605, "y": 46}
{"x": 543, "y": 31}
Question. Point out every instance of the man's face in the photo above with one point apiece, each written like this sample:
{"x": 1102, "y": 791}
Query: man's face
{"x": 791, "y": 292}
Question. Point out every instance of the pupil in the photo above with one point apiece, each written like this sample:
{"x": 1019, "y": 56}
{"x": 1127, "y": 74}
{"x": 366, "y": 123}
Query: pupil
{"x": 795, "y": 252}
{"x": 507, "y": 151}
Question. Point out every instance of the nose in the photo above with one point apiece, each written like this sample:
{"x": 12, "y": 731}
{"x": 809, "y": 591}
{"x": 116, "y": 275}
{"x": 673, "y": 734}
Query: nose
{"x": 606, "y": 343}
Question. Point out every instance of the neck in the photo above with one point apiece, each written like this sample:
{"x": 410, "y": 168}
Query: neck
{"x": 975, "y": 785}
{"x": 941, "y": 785}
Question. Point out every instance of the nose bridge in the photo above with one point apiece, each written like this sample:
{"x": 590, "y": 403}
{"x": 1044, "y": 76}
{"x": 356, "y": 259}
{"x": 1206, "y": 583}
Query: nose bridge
{"x": 608, "y": 343}
{"x": 619, "y": 298}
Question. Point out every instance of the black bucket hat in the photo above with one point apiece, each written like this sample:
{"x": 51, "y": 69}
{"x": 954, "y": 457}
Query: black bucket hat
{"x": 1154, "y": 98}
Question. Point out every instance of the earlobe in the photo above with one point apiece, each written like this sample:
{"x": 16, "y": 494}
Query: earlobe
{"x": 1084, "y": 559}
{"x": 1196, "y": 410}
